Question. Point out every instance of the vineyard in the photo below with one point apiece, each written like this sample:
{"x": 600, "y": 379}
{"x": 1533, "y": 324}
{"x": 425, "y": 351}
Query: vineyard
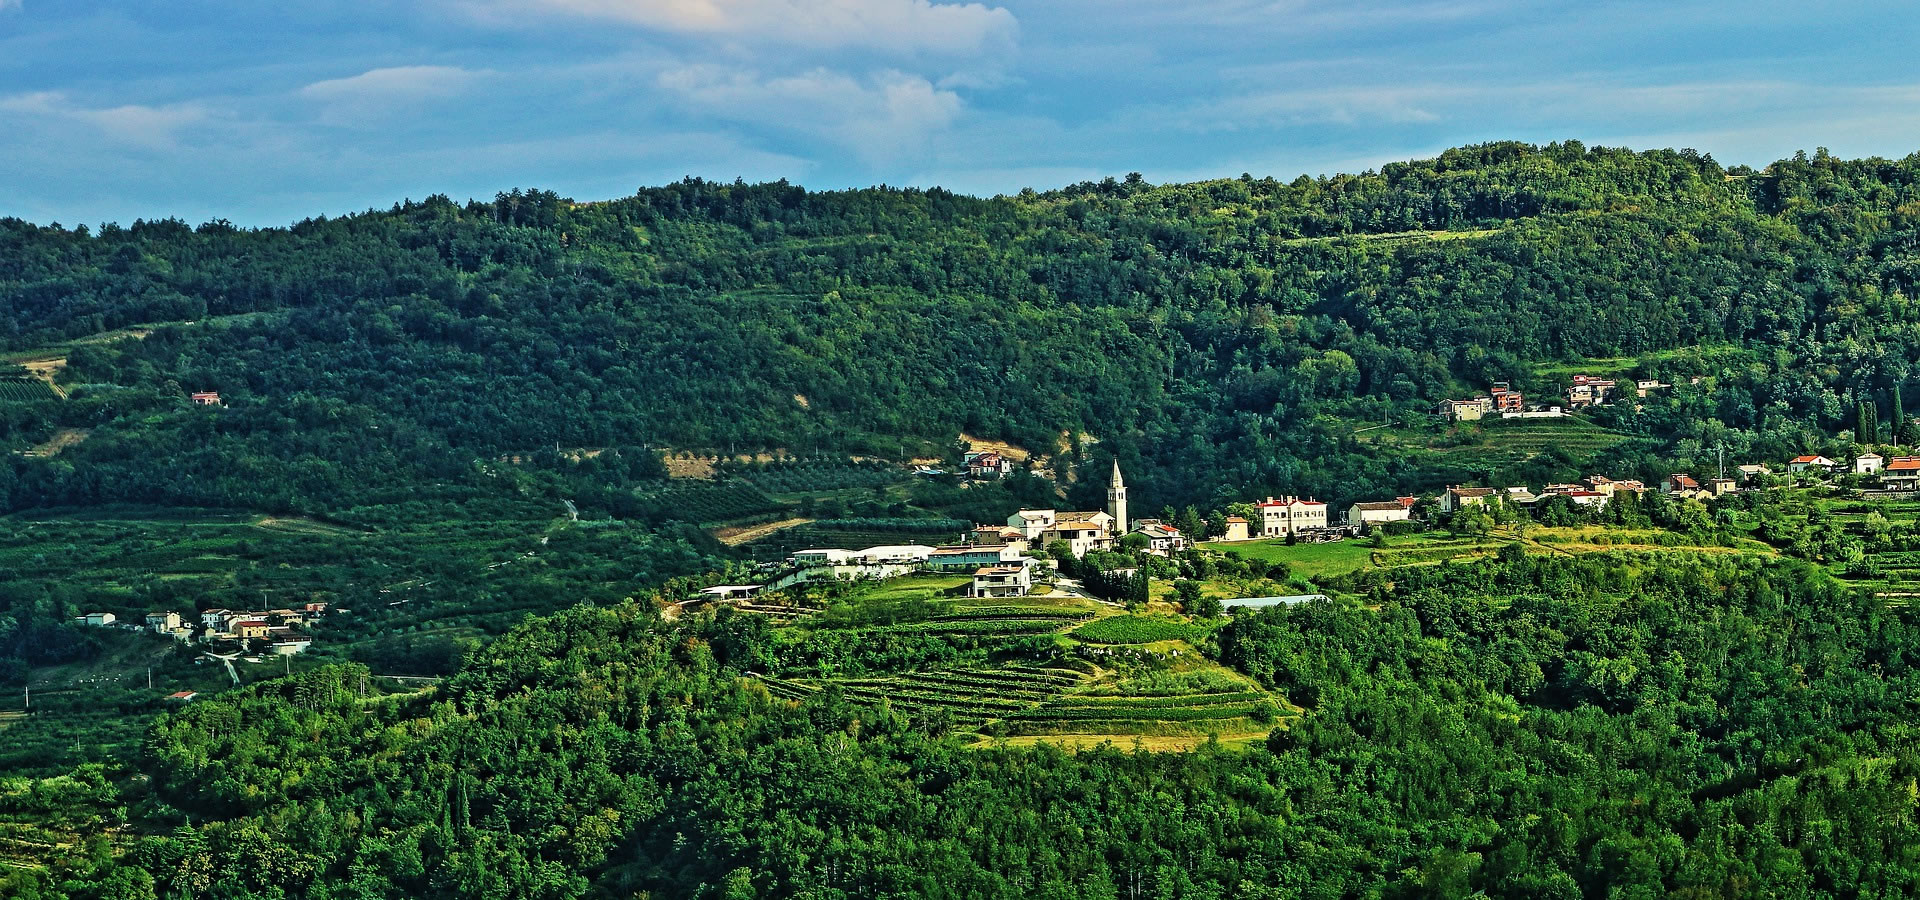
{"x": 795, "y": 476}
{"x": 704, "y": 503}
{"x": 25, "y": 390}
{"x": 1138, "y": 630}
{"x": 1024, "y": 699}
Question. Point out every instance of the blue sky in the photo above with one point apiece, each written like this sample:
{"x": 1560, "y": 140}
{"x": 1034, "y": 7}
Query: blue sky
{"x": 264, "y": 113}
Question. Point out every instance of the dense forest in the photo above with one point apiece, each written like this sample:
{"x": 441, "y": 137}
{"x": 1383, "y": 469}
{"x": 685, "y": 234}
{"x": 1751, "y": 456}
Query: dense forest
{"x": 1216, "y": 336}
{"x": 1522, "y": 727}
{"x": 448, "y": 416}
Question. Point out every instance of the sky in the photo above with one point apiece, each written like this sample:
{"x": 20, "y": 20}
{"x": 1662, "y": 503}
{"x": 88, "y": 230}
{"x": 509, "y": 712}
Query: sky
{"x": 266, "y": 113}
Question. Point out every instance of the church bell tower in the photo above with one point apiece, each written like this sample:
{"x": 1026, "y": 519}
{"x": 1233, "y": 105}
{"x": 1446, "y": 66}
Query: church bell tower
{"x": 1117, "y": 501}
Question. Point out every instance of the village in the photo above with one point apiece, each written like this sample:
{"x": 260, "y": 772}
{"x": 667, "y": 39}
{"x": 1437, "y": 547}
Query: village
{"x": 1026, "y": 552}
{"x": 226, "y": 632}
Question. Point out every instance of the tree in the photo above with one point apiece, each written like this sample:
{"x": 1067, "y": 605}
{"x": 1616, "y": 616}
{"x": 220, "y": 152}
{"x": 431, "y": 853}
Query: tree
{"x": 1187, "y": 593}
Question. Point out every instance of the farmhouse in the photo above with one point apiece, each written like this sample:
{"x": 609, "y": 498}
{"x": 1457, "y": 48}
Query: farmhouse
{"x": 1456, "y": 497}
{"x": 182, "y": 696}
{"x": 1001, "y": 581}
{"x": 1721, "y": 487}
{"x": 1679, "y": 484}
{"x": 1367, "y": 515}
{"x": 988, "y": 465}
{"x": 1291, "y": 515}
{"x": 1587, "y": 390}
{"x": 251, "y": 629}
{"x": 1507, "y": 400}
{"x": 206, "y": 398}
{"x": 1466, "y": 410}
{"x": 1751, "y": 472}
{"x": 730, "y": 592}
{"x": 99, "y": 618}
{"x": 1162, "y": 539}
{"x": 1868, "y": 464}
{"x": 1236, "y": 529}
{"x": 163, "y": 622}
{"x": 1901, "y": 474}
{"x": 1803, "y": 463}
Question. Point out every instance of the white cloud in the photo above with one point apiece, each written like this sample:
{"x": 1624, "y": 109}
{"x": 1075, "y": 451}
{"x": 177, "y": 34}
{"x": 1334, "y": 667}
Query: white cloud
{"x": 152, "y": 127}
{"x": 880, "y": 118}
{"x": 380, "y": 93}
{"x": 905, "y": 26}
{"x": 399, "y": 82}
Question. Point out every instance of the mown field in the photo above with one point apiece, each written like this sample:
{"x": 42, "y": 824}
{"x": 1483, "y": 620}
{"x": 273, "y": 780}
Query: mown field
{"x": 1341, "y": 557}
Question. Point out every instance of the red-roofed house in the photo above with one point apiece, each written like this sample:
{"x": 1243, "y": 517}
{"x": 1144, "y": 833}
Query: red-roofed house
{"x": 1679, "y": 484}
{"x": 1803, "y": 463}
{"x": 1901, "y": 474}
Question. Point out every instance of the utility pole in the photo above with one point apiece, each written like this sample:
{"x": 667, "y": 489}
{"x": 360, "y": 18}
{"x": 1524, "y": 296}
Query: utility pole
{"x": 149, "y": 678}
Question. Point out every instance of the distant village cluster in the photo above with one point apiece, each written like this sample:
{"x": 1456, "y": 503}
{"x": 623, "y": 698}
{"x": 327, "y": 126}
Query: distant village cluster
{"x": 1585, "y": 391}
{"x": 282, "y": 631}
{"x": 998, "y": 556}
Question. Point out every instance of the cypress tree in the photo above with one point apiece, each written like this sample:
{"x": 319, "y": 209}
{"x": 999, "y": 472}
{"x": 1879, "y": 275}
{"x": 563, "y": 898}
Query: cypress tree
{"x": 1899, "y": 431}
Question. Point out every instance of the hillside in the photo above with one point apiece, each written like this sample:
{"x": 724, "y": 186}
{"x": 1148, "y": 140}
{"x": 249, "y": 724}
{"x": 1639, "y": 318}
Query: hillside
{"x": 1214, "y": 335}
{"x": 499, "y": 448}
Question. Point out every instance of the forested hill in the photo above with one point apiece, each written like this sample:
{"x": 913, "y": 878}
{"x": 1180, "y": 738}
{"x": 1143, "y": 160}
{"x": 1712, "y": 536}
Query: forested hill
{"x": 1220, "y": 337}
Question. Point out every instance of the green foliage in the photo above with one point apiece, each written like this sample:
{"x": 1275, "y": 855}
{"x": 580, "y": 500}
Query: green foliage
{"x": 1138, "y": 630}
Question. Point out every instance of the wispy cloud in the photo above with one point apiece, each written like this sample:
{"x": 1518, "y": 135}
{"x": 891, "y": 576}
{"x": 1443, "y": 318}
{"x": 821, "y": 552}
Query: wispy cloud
{"x": 878, "y": 118}
{"x": 151, "y": 127}
{"x": 399, "y": 82}
{"x": 903, "y": 26}
{"x": 378, "y": 93}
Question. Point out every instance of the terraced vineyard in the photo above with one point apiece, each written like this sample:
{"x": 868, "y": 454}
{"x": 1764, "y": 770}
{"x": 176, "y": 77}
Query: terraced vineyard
{"x": 1576, "y": 435}
{"x": 25, "y": 390}
{"x": 1046, "y": 700}
{"x": 972, "y": 696}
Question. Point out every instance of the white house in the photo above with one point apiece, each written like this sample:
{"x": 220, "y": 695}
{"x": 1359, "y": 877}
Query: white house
{"x": 1368, "y": 515}
{"x": 1803, "y": 463}
{"x": 163, "y": 622}
{"x": 730, "y": 591}
{"x": 968, "y": 558}
{"x": 99, "y": 618}
{"x": 1031, "y": 522}
{"x": 1868, "y": 463}
{"x": 1290, "y": 515}
{"x": 1001, "y": 581}
{"x": 1162, "y": 539}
